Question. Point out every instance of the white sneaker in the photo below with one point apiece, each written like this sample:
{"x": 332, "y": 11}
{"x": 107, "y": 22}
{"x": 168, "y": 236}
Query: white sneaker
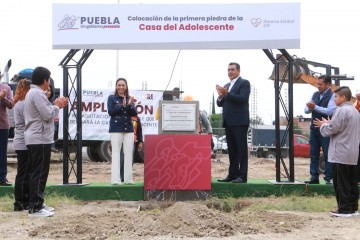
{"x": 48, "y": 208}
{"x": 41, "y": 213}
{"x": 356, "y": 213}
{"x": 344, "y": 215}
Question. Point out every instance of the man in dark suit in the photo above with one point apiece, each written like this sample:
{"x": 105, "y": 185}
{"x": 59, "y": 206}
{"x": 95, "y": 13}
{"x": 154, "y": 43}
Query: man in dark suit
{"x": 234, "y": 99}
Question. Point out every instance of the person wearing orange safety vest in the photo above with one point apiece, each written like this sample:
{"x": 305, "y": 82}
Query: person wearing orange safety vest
{"x": 138, "y": 144}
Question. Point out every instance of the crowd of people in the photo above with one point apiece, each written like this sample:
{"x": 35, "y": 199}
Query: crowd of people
{"x": 34, "y": 115}
{"x": 334, "y": 130}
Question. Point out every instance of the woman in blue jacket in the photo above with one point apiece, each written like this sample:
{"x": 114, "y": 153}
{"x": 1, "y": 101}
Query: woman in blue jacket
{"x": 120, "y": 108}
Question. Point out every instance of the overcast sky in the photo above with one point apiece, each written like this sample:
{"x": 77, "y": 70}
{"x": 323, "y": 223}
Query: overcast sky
{"x": 330, "y": 34}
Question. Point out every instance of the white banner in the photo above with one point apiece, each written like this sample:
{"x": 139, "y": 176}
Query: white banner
{"x": 95, "y": 118}
{"x": 176, "y": 26}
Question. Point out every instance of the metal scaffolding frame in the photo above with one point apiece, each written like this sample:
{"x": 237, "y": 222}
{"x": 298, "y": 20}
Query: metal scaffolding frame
{"x": 72, "y": 147}
{"x": 290, "y": 64}
{"x": 288, "y": 110}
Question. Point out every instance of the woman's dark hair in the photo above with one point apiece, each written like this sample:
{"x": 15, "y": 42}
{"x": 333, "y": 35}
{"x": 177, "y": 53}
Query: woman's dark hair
{"x": 127, "y": 87}
{"x": 51, "y": 93}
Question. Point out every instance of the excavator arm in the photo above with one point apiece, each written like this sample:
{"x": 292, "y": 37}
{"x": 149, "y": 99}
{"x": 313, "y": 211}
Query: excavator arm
{"x": 312, "y": 81}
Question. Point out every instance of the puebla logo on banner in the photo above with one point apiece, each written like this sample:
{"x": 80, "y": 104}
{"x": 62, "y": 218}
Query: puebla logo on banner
{"x": 72, "y": 22}
{"x": 176, "y": 26}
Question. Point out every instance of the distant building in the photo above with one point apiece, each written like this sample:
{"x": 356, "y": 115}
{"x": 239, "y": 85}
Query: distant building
{"x": 301, "y": 124}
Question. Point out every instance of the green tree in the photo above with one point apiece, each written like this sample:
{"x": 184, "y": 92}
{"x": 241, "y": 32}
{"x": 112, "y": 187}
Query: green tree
{"x": 216, "y": 124}
{"x": 213, "y": 105}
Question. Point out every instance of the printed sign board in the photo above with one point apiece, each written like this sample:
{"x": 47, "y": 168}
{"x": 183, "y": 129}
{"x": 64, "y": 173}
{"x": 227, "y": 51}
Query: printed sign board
{"x": 178, "y": 117}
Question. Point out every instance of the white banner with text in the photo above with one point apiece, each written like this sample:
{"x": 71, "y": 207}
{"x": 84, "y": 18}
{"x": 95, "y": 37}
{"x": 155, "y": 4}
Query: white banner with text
{"x": 176, "y": 26}
{"x": 95, "y": 118}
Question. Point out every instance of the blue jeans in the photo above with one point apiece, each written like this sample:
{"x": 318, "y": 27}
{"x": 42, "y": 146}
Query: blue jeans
{"x": 316, "y": 142}
{"x": 4, "y": 135}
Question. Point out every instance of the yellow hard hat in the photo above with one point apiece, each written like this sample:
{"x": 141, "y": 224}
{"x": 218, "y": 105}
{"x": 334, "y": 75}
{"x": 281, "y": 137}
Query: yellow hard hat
{"x": 188, "y": 98}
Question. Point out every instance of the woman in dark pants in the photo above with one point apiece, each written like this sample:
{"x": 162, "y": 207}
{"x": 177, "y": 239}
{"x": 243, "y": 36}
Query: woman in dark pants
{"x": 22, "y": 177}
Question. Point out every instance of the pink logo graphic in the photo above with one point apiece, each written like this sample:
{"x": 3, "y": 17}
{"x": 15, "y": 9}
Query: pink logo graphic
{"x": 256, "y": 22}
{"x": 177, "y": 162}
{"x": 68, "y": 23}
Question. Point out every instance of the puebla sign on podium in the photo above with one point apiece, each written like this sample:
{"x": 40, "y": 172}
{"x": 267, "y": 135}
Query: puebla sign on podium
{"x": 178, "y": 158}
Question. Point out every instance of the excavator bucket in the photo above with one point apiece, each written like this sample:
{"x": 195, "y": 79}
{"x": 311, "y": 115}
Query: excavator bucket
{"x": 298, "y": 69}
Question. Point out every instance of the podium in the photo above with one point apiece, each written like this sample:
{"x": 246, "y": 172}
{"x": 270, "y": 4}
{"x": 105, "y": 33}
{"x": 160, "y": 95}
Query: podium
{"x": 177, "y": 167}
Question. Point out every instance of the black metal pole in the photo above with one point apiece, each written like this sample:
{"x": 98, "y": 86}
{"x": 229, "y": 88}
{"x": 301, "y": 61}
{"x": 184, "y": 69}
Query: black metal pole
{"x": 291, "y": 122}
{"x": 78, "y": 126}
{"x": 269, "y": 55}
{"x": 65, "y": 127}
{"x": 337, "y": 81}
{"x": 277, "y": 120}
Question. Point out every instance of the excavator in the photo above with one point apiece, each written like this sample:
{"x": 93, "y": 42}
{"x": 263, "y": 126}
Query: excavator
{"x": 303, "y": 75}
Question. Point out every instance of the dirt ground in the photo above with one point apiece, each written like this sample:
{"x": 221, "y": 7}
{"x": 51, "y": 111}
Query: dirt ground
{"x": 101, "y": 171}
{"x": 179, "y": 220}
